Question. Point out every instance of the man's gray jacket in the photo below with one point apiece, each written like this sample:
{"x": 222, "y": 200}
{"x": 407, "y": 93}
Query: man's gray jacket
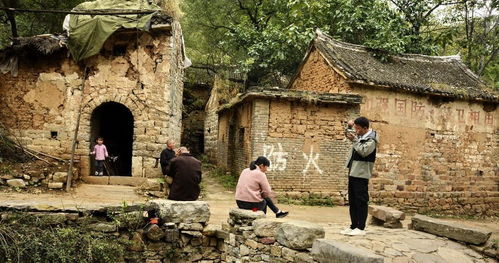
{"x": 362, "y": 155}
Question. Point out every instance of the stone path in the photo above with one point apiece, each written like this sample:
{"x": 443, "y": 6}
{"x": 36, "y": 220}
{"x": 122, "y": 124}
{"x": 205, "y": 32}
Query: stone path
{"x": 396, "y": 245}
{"x": 403, "y": 245}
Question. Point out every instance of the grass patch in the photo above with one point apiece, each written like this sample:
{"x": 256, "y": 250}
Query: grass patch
{"x": 32, "y": 241}
{"x": 443, "y": 216}
{"x": 310, "y": 201}
{"x": 226, "y": 179}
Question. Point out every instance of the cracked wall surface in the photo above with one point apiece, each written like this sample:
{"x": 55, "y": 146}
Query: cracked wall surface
{"x": 145, "y": 75}
{"x": 436, "y": 153}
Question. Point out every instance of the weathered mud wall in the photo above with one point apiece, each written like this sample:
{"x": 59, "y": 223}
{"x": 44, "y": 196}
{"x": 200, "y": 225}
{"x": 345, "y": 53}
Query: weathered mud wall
{"x": 234, "y": 141}
{"x": 144, "y": 75}
{"x": 435, "y": 153}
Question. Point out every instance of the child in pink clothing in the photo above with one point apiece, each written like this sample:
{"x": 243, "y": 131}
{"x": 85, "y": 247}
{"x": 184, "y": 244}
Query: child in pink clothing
{"x": 100, "y": 152}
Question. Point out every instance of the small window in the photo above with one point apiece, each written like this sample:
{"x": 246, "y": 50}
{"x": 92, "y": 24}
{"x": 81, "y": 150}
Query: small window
{"x": 53, "y": 134}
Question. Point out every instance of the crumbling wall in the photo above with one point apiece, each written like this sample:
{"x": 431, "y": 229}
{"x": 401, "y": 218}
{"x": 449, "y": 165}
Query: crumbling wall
{"x": 234, "y": 141}
{"x": 224, "y": 89}
{"x": 158, "y": 231}
{"x": 305, "y": 145}
{"x": 142, "y": 71}
{"x": 316, "y": 75}
{"x": 435, "y": 153}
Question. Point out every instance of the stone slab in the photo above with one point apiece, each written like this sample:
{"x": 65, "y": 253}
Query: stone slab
{"x": 266, "y": 227}
{"x": 180, "y": 211}
{"x": 330, "y": 251}
{"x": 451, "y": 230}
{"x": 386, "y": 213}
{"x": 237, "y": 214}
{"x": 299, "y": 235}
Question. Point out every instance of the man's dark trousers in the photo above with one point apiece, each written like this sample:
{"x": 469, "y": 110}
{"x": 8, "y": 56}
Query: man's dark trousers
{"x": 358, "y": 197}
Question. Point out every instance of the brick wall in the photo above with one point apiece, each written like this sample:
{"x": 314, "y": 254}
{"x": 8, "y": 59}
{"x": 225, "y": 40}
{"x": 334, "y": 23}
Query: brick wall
{"x": 435, "y": 153}
{"x": 305, "y": 145}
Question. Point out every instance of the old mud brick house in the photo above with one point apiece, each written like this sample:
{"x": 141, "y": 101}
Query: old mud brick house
{"x": 301, "y": 133}
{"x": 132, "y": 94}
{"x": 439, "y": 124}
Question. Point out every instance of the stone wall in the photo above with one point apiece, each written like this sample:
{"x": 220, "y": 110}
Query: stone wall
{"x": 41, "y": 104}
{"x": 159, "y": 231}
{"x": 250, "y": 237}
{"x": 225, "y": 87}
{"x": 436, "y": 153}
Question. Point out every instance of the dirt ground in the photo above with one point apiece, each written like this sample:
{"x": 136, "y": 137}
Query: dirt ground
{"x": 219, "y": 199}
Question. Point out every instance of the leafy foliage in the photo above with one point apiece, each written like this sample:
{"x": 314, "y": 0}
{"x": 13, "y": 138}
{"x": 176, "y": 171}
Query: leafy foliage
{"x": 266, "y": 36}
{"x": 29, "y": 24}
{"x": 269, "y": 37}
{"x": 27, "y": 239}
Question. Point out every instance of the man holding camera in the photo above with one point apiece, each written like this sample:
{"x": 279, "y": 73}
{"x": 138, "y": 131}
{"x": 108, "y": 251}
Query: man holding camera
{"x": 360, "y": 166}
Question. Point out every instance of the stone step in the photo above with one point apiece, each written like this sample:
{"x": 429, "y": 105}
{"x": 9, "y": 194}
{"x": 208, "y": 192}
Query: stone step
{"x": 330, "y": 251}
{"x": 451, "y": 230}
{"x": 114, "y": 180}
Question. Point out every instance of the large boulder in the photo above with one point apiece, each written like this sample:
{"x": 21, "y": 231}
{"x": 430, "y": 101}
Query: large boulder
{"x": 386, "y": 216}
{"x": 244, "y": 216}
{"x": 180, "y": 211}
{"x": 266, "y": 227}
{"x": 60, "y": 177}
{"x": 452, "y": 230}
{"x": 16, "y": 183}
{"x": 298, "y": 234}
{"x": 329, "y": 251}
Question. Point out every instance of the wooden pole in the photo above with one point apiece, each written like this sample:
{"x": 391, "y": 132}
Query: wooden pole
{"x": 92, "y": 12}
{"x": 75, "y": 137}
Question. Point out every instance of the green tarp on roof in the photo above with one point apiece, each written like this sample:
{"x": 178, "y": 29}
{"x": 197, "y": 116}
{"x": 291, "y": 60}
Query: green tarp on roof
{"x": 87, "y": 34}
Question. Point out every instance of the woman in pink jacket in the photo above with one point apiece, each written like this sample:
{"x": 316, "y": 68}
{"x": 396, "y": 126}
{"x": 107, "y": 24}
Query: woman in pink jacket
{"x": 253, "y": 188}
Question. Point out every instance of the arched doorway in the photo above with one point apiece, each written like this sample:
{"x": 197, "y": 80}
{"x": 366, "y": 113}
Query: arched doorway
{"x": 114, "y": 122}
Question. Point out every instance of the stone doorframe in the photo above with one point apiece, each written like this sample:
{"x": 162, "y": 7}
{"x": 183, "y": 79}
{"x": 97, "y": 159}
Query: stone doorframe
{"x": 89, "y": 105}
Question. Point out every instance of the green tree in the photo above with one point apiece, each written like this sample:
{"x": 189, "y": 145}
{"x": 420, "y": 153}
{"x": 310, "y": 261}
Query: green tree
{"x": 269, "y": 37}
{"x": 417, "y": 16}
{"x": 29, "y": 24}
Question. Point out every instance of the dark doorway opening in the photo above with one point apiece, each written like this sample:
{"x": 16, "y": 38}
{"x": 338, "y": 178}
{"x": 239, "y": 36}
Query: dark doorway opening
{"x": 114, "y": 122}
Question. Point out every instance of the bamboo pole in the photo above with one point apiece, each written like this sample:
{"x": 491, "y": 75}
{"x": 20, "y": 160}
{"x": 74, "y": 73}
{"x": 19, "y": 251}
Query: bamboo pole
{"x": 75, "y": 137}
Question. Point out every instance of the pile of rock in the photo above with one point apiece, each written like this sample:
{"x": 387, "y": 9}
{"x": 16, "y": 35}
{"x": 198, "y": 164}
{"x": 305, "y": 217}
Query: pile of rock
{"x": 55, "y": 180}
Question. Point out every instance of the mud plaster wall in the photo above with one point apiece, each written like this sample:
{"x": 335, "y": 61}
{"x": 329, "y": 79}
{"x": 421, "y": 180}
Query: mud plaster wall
{"x": 437, "y": 154}
{"x": 303, "y": 144}
{"x": 193, "y": 117}
{"x": 234, "y": 144}
{"x": 316, "y": 75}
{"x": 147, "y": 80}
